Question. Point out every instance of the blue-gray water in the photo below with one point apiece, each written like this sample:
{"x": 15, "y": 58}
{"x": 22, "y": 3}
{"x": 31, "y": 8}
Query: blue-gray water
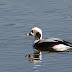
{"x": 17, "y": 17}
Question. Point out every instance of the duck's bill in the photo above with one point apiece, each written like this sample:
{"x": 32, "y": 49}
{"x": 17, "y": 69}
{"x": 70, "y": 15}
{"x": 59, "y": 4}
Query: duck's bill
{"x": 28, "y": 34}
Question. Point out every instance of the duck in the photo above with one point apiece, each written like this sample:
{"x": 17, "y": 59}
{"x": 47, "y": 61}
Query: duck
{"x": 48, "y": 44}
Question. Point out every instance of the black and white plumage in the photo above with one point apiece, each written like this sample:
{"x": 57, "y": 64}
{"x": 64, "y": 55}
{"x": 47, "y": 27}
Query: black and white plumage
{"x": 50, "y": 44}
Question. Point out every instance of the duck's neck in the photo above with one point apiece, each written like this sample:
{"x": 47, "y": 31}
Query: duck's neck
{"x": 37, "y": 39}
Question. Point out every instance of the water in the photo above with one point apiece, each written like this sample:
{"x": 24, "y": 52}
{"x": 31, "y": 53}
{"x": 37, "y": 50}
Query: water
{"x": 17, "y": 17}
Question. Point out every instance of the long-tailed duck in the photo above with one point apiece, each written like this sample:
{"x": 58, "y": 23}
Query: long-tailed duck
{"x": 48, "y": 44}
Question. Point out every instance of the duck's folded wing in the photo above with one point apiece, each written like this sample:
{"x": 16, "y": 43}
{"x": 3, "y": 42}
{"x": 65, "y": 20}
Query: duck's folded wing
{"x": 51, "y": 40}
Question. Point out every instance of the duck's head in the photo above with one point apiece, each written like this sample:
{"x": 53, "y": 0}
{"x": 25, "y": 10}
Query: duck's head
{"x": 37, "y": 32}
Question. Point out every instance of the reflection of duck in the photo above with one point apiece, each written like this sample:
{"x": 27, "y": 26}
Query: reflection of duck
{"x": 50, "y": 44}
{"x": 34, "y": 57}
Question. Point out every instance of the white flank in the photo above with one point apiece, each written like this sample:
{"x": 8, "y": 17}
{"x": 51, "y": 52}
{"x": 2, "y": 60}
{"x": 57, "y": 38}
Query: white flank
{"x": 61, "y": 47}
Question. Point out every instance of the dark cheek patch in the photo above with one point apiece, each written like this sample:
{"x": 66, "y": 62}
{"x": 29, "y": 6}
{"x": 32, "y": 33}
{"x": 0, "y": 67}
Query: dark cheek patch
{"x": 38, "y": 35}
{"x": 32, "y": 31}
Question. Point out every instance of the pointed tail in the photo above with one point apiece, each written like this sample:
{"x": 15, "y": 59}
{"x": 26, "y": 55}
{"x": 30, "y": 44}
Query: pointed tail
{"x": 68, "y": 43}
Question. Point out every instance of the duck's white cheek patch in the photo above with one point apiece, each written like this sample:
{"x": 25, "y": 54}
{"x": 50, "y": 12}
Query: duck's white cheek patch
{"x": 60, "y": 47}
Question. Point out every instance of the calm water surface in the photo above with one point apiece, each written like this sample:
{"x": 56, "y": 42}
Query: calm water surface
{"x": 17, "y": 17}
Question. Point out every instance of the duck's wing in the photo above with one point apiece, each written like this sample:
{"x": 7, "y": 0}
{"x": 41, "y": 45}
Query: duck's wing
{"x": 51, "y": 40}
{"x": 54, "y": 41}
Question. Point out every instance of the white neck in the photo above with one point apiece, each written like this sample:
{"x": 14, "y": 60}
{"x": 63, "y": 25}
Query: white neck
{"x": 36, "y": 41}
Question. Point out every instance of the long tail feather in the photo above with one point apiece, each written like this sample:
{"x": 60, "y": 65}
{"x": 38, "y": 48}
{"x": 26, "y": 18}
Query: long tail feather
{"x": 69, "y": 43}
